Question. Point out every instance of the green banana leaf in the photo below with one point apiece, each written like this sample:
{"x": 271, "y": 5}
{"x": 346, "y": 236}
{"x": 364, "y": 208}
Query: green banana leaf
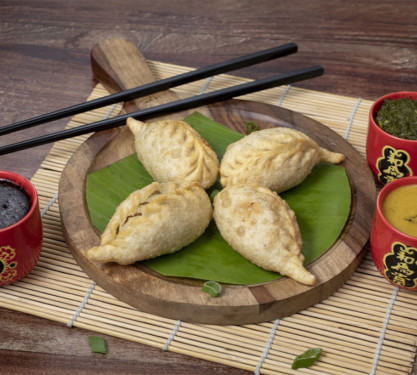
{"x": 321, "y": 204}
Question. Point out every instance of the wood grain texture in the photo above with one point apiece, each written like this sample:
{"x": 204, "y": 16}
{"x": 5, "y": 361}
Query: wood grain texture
{"x": 45, "y": 65}
{"x": 32, "y": 345}
{"x": 364, "y": 52}
{"x": 119, "y": 65}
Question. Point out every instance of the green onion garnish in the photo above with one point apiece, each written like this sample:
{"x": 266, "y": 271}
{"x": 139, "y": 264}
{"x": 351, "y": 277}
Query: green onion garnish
{"x": 212, "y": 287}
{"x": 97, "y": 344}
{"x": 251, "y": 126}
{"x": 307, "y": 358}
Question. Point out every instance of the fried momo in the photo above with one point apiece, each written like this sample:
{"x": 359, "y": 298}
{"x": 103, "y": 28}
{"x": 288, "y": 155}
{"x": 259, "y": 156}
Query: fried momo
{"x": 156, "y": 220}
{"x": 260, "y": 225}
{"x": 173, "y": 151}
{"x": 277, "y": 158}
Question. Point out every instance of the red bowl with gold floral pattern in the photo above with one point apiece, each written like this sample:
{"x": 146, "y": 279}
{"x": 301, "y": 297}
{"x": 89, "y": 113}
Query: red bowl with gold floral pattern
{"x": 20, "y": 236}
{"x": 393, "y": 239}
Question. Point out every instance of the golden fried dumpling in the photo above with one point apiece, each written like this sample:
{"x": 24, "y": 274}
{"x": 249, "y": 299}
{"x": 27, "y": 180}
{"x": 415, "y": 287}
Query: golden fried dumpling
{"x": 260, "y": 225}
{"x": 173, "y": 151}
{"x": 277, "y": 158}
{"x": 159, "y": 219}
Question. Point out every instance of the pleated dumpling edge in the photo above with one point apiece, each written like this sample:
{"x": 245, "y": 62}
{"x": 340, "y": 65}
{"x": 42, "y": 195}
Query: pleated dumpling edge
{"x": 260, "y": 225}
{"x": 277, "y": 158}
{"x": 158, "y": 219}
{"x": 172, "y": 150}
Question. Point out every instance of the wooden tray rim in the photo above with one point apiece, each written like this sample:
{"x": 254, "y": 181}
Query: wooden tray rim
{"x": 262, "y": 302}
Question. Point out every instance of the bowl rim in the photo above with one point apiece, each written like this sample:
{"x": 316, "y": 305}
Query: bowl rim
{"x": 388, "y": 188}
{"x": 377, "y": 104}
{"x": 29, "y": 188}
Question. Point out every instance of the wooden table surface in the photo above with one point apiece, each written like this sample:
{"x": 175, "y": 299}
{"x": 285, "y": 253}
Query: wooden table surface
{"x": 367, "y": 49}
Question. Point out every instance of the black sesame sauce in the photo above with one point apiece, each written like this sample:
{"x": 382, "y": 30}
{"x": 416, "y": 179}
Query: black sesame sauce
{"x": 14, "y": 203}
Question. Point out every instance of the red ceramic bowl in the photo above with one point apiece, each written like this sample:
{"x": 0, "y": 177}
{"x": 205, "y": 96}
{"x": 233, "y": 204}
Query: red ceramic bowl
{"x": 390, "y": 157}
{"x": 394, "y": 253}
{"x": 21, "y": 242}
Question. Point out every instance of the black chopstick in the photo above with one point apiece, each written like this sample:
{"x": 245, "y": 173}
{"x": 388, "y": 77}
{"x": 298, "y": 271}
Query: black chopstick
{"x": 151, "y": 88}
{"x": 168, "y": 108}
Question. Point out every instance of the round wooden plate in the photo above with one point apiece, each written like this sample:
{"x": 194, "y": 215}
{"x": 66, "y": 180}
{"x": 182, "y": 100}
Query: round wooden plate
{"x": 182, "y": 298}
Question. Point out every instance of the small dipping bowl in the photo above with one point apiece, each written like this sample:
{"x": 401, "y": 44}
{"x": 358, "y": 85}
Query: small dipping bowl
{"x": 390, "y": 157}
{"x": 21, "y": 241}
{"x": 394, "y": 252}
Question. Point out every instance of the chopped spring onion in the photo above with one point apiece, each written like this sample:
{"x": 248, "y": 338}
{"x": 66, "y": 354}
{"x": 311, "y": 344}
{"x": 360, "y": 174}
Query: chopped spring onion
{"x": 251, "y": 126}
{"x": 97, "y": 344}
{"x": 212, "y": 287}
{"x": 307, "y": 358}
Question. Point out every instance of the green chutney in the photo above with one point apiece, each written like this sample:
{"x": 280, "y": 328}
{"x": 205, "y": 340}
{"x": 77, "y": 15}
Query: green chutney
{"x": 398, "y": 117}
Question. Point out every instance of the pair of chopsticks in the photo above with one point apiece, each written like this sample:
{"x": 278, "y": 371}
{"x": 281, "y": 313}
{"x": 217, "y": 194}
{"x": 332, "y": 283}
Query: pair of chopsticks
{"x": 168, "y": 108}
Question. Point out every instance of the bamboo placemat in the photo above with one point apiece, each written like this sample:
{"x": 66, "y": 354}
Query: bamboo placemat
{"x": 366, "y": 327}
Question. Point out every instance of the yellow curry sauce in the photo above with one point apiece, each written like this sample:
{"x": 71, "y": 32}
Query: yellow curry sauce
{"x": 400, "y": 209}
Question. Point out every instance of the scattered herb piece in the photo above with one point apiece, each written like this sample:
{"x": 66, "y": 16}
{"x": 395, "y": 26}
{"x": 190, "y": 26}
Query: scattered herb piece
{"x": 212, "y": 287}
{"x": 97, "y": 344}
{"x": 307, "y": 358}
{"x": 213, "y": 194}
{"x": 411, "y": 218}
{"x": 251, "y": 126}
